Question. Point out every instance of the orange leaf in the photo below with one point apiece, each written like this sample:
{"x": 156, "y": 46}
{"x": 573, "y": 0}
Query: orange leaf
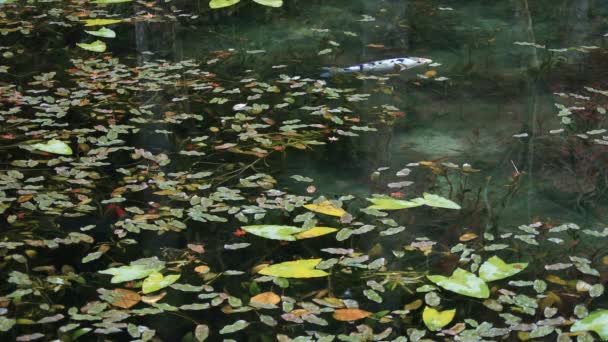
{"x": 350, "y": 314}
{"x": 468, "y": 237}
{"x": 124, "y": 298}
{"x": 202, "y": 269}
{"x": 266, "y": 298}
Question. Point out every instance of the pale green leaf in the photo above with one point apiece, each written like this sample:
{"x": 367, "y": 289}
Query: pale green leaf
{"x": 387, "y": 203}
{"x": 55, "y": 147}
{"x": 236, "y": 326}
{"x": 597, "y": 321}
{"x": 271, "y": 3}
{"x": 103, "y": 32}
{"x": 273, "y": 232}
{"x": 295, "y": 269}
{"x": 96, "y": 46}
{"x": 439, "y": 202}
{"x": 222, "y": 3}
{"x": 462, "y": 282}
{"x": 156, "y": 281}
{"x": 495, "y": 268}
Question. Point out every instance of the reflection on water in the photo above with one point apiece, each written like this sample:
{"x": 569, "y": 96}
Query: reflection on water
{"x": 196, "y": 122}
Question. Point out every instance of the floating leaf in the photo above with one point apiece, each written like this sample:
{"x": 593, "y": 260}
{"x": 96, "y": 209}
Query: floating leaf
{"x": 327, "y": 208}
{"x": 462, "y": 282}
{"x": 222, "y": 3}
{"x": 236, "y": 326}
{"x": 102, "y": 32}
{"x": 315, "y": 232}
{"x": 350, "y": 314}
{"x": 101, "y": 22}
{"x": 96, "y": 46}
{"x": 105, "y": 2}
{"x": 435, "y": 320}
{"x": 295, "y": 269}
{"x": 597, "y": 321}
{"x": 266, "y": 298}
{"x": 495, "y": 268}
{"x": 137, "y": 270}
{"x": 157, "y": 281}
{"x": 284, "y": 233}
{"x": 393, "y": 204}
{"x": 439, "y": 202}
{"x": 124, "y": 298}
{"x": 271, "y": 3}
{"x": 201, "y": 332}
{"x": 55, "y": 147}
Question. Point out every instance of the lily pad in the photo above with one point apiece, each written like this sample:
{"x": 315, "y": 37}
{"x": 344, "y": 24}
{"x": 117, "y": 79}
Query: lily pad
{"x": 101, "y": 22}
{"x": 222, "y": 3}
{"x": 437, "y": 201}
{"x": 271, "y": 3}
{"x": 295, "y": 269}
{"x": 327, "y": 208}
{"x": 495, "y": 268}
{"x": 435, "y": 320}
{"x": 103, "y": 32}
{"x": 393, "y": 204}
{"x": 284, "y": 233}
{"x": 96, "y": 46}
{"x": 597, "y": 321}
{"x": 55, "y": 147}
{"x": 157, "y": 281}
{"x": 462, "y": 282}
{"x": 314, "y": 232}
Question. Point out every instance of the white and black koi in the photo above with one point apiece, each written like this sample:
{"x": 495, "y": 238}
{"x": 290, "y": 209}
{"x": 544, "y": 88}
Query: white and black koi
{"x": 385, "y": 65}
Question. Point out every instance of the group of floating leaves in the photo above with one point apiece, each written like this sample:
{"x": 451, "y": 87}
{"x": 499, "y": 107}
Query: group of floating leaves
{"x": 143, "y": 192}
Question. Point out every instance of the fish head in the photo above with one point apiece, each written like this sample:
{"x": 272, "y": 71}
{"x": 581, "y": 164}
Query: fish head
{"x": 421, "y": 60}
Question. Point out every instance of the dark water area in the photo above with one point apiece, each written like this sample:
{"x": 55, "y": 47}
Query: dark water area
{"x": 174, "y": 172}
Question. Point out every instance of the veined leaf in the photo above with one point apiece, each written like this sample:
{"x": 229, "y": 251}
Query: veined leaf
{"x": 495, "y": 268}
{"x": 295, "y": 269}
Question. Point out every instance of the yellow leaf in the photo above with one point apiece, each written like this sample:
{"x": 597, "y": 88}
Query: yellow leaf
{"x": 327, "y": 208}
{"x": 295, "y": 269}
{"x": 350, "y": 314}
{"x": 435, "y": 320}
{"x": 468, "y": 237}
{"x": 266, "y": 298}
{"x": 430, "y": 73}
{"x": 101, "y": 22}
{"x": 202, "y": 269}
{"x": 314, "y": 232}
{"x": 415, "y": 305}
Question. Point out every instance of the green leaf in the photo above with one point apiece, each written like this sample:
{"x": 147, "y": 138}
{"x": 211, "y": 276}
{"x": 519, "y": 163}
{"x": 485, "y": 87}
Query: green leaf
{"x": 103, "y": 32}
{"x": 222, "y": 3}
{"x": 393, "y": 204}
{"x": 284, "y": 233}
{"x": 6, "y": 324}
{"x": 136, "y": 270}
{"x": 462, "y": 282}
{"x": 495, "y": 268}
{"x": 295, "y": 269}
{"x": 271, "y": 3}
{"x": 55, "y": 147}
{"x": 435, "y": 320}
{"x": 439, "y": 202}
{"x": 106, "y": 2}
{"x": 236, "y": 326}
{"x": 314, "y": 232}
{"x": 101, "y": 22}
{"x": 157, "y": 281}
{"x": 597, "y": 321}
{"x": 96, "y": 46}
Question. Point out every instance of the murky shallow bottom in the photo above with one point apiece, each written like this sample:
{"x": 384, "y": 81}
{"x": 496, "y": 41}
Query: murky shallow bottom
{"x": 226, "y": 190}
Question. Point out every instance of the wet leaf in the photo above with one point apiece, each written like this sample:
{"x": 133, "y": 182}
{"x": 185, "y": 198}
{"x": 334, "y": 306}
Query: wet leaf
{"x": 495, "y": 268}
{"x": 96, "y": 46}
{"x": 222, "y": 3}
{"x": 103, "y": 32}
{"x": 101, "y": 22}
{"x": 55, "y": 147}
{"x": 156, "y": 281}
{"x": 6, "y": 323}
{"x": 201, "y": 332}
{"x": 236, "y": 326}
{"x": 314, "y": 232}
{"x": 266, "y": 298}
{"x": 124, "y": 298}
{"x": 439, "y": 202}
{"x": 393, "y": 204}
{"x": 597, "y": 321}
{"x": 435, "y": 320}
{"x": 462, "y": 282}
{"x": 271, "y": 3}
{"x": 132, "y": 272}
{"x": 350, "y": 314}
{"x": 295, "y": 269}
{"x": 273, "y": 232}
{"x": 327, "y": 208}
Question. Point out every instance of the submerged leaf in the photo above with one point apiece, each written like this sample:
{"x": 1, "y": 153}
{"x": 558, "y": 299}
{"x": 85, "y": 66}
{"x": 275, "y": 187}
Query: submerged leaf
{"x": 55, "y": 147}
{"x": 462, "y": 282}
{"x": 295, "y": 269}
{"x": 495, "y": 268}
{"x": 597, "y": 321}
{"x": 327, "y": 208}
{"x": 435, "y": 320}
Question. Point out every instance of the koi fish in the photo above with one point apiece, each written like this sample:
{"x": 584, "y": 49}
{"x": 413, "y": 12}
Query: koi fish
{"x": 385, "y": 65}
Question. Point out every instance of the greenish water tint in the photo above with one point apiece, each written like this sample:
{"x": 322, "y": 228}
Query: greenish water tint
{"x": 168, "y": 182}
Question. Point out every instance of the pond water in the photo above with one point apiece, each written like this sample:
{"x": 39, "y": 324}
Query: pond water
{"x": 177, "y": 172}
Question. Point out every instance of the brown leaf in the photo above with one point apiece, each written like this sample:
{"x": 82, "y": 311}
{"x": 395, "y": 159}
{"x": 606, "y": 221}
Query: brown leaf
{"x": 196, "y": 248}
{"x": 266, "y": 298}
{"x": 124, "y": 298}
{"x": 350, "y": 314}
{"x": 468, "y": 237}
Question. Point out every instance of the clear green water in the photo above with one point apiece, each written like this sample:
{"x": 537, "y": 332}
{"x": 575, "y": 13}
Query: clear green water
{"x": 163, "y": 165}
